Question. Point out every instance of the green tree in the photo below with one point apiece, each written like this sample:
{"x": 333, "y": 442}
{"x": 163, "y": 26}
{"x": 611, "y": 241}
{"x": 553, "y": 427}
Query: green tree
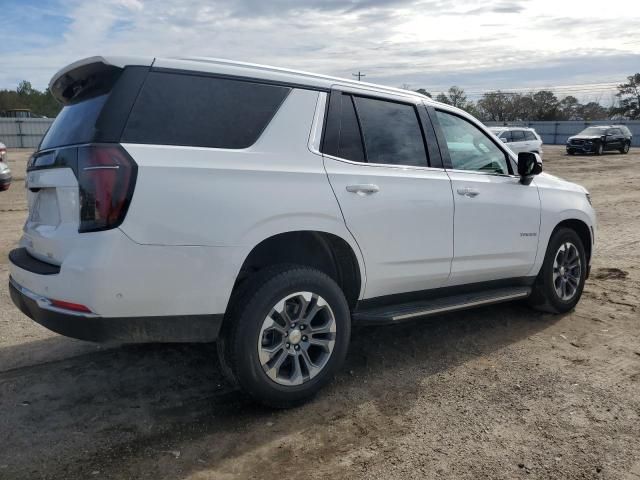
{"x": 592, "y": 111}
{"x": 629, "y": 95}
{"x": 422, "y": 91}
{"x": 25, "y": 96}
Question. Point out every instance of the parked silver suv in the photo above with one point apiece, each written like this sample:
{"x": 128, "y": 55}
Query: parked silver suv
{"x": 519, "y": 139}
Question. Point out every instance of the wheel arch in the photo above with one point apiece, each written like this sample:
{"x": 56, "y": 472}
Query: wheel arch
{"x": 325, "y": 251}
{"x": 582, "y": 229}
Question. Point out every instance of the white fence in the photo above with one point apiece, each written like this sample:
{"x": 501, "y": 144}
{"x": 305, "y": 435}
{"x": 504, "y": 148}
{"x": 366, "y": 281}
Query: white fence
{"x": 23, "y": 132}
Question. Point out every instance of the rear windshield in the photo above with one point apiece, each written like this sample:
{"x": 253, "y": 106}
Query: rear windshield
{"x": 75, "y": 123}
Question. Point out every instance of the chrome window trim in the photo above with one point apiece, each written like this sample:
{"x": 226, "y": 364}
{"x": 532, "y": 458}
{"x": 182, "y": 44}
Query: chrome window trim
{"x": 386, "y": 165}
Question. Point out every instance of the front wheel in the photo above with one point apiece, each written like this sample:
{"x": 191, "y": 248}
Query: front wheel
{"x": 599, "y": 149}
{"x": 287, "y": 335}
{"x": 625, "y": 149}
{"x": 559, "y": 284}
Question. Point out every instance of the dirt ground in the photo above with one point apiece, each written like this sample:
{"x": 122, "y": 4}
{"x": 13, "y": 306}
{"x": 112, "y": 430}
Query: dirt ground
{"x": 500, "y": 392}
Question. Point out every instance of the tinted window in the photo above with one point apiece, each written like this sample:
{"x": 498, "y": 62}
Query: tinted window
{"x": 529, "y": 135}
{"x": 75, "y": 123}
{"x": 391, "y": 132}
{"x": 350, "y": 140}
{"x": 517, "y": 135}
{"x": 469, "y": 147}
{"x": 175, "y": 109}
{"x": 506, "y": 135}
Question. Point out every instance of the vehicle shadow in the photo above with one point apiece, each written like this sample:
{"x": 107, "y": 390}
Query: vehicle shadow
{"x": 166, "y": 411}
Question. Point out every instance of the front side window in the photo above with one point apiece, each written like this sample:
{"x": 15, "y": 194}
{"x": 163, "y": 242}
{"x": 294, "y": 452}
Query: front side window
{"x": 506, "y": 135}
{"x": 391, "y": 131}
{"x": 469, "y": 147}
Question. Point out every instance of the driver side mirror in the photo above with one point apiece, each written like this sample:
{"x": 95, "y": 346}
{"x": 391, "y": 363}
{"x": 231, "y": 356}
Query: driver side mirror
{"x": 529, "y": 165}
{"x": 504, "y": 140}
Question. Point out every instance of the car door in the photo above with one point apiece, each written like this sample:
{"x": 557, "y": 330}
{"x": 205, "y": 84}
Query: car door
{"x": 393, "y": 192}
{"x": 616, "y": 139}
{"x": 497, "y": 218}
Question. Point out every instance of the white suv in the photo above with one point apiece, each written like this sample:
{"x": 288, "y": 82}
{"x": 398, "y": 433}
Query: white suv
{"x": 267, "y": 209}
{"x": 519, "y": 139}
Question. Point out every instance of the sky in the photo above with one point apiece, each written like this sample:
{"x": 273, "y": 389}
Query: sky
{"x": 479, "y": 45}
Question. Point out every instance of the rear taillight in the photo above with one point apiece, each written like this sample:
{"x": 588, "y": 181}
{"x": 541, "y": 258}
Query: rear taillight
{"x": 106, "y": 176}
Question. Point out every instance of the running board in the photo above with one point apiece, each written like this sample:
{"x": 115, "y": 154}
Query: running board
{"x": 408, "y": 311}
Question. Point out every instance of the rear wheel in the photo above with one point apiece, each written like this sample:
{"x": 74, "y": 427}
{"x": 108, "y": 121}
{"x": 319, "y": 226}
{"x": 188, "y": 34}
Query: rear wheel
{"x": 626, "y": 147}
{"x": 560, "y": 282}
{"x": 286, "y": 335}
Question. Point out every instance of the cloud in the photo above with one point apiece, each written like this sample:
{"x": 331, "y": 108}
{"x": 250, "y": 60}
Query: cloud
{"x": 482, "y": 44}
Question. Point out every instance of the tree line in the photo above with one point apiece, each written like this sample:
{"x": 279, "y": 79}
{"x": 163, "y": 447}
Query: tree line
{"x": 498, "y": 106}
{"x": 27, "y": 97}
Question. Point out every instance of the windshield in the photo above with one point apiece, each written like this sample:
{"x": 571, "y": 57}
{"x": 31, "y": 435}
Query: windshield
{"x": 593, "y": 131}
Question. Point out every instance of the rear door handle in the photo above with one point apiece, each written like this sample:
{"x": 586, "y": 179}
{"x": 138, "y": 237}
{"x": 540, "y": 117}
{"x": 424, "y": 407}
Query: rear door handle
{"x": 468, "y": 192}
{"x": 363, "y": 189}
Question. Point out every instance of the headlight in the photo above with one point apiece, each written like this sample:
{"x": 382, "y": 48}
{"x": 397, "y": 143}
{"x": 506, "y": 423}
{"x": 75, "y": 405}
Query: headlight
{"x": 588, "y": 198}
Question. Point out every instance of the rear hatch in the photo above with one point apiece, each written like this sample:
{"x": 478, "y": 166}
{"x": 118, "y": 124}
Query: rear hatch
{"x": 81, "y": 180}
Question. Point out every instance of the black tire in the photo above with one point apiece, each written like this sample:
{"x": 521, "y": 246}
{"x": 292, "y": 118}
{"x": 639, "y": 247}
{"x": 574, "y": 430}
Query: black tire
{"x": 599, "y": 149}
{"x": 238, "y": 343}
{"x": 624, "y": 150}
{"x": 544, "y": 296}
{"x": 571, "y": 152}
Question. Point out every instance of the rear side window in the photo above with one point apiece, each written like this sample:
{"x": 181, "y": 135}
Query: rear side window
{"x": 517, "y": 136}
{"x": 391, "y": 131}
{"x": 529, "y": 135}
{"x": 199, "y": 111}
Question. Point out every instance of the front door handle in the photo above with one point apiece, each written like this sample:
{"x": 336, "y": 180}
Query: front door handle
{"x": 468, "y": 192}
{"x": 363, "y": 189}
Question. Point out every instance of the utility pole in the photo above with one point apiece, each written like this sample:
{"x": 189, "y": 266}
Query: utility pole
{"x": 359, "y": 75}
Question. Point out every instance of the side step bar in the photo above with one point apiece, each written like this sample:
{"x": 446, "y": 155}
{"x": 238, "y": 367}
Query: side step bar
{"x": 408, "y": 311}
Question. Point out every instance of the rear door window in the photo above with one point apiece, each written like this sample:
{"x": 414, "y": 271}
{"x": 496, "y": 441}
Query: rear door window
{"x": 391, "y": 131}
{"x": 202, "y": 111}
{"x": 529, "y": 135}
{"x": 517, "y": 135}
{"x": 350, "y": 142}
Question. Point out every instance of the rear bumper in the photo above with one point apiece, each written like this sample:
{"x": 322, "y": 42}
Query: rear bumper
{"x": 184, "y": 328}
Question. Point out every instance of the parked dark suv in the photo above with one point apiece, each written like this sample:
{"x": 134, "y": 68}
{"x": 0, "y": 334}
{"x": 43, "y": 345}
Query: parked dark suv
{"x": 601, "y": 138}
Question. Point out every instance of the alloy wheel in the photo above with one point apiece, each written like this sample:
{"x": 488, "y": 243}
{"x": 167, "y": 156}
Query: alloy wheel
{"x": 297, "y": 338}
{"x": 567, "y": 271}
